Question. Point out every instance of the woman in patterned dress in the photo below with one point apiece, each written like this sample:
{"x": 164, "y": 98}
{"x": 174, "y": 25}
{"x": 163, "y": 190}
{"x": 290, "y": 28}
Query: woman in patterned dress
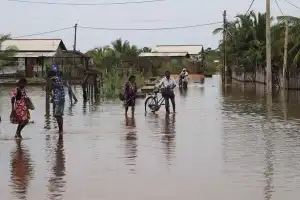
{"x": 19, "y": 112}
{"x": 130, "y": 94}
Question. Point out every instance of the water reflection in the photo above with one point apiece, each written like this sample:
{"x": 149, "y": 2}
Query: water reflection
{"x": 70, "y": 109}
{"x": 57, "y": 182}
{"x": 84, "y": 105}
{"x": 269, "y": 170}
{"x": 183, "y": 92}
{"x": 252, "y": 99}
{"x": 168, "y": 138}
{"x": 21, "y": 170}
{"x": 47, "y": 123}
{"x": 202, "y": 91}
{"x": 131, "y": 142}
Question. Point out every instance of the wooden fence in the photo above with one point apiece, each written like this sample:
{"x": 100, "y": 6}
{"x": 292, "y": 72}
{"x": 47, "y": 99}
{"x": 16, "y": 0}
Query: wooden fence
{"x": 258, "y": 75}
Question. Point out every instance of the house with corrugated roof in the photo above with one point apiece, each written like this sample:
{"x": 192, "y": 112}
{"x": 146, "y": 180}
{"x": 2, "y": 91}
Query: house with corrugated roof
{"x": 32, "y": 55}
{"x": 194, "y": 52}
{"x": 176, "y": 56}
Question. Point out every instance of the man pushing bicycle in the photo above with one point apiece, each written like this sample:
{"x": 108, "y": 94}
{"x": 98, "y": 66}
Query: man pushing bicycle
{"x": 167, "y": 84}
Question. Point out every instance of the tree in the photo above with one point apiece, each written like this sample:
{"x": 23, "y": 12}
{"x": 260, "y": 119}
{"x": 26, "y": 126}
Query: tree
{"x": 6, "y": 53}
{"x": 145, "y": 50}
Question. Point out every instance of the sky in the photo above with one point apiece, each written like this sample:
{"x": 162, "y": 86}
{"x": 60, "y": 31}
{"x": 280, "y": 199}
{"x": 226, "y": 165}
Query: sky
{"x": 19, "y": 19}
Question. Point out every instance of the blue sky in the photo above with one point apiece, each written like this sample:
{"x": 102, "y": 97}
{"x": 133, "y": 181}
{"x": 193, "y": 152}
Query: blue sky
{"x": 23, "y": 18}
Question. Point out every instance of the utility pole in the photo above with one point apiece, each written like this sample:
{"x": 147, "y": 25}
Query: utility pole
{"x": 71, "y": 94}
{"x": 74, "y": 48}
{"x": 224, "y": 48}
{"x": 268, "y": 49}
{"x": 285, "y": 56}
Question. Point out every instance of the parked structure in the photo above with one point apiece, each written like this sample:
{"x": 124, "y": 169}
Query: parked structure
{"x": 33, "y": 56}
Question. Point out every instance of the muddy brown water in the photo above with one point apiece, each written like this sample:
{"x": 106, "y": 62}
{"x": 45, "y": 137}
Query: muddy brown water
{"x": 228, "y": 144}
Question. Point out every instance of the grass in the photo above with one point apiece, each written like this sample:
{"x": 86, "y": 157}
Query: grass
{"x": 114, "y": 84}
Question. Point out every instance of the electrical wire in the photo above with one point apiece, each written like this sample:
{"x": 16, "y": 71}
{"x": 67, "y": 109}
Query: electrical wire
{"x": 148, "y": 29}
{"x": 43, "y": 33}
{"x": 278, "y": 6}
{"x": 251, "y": 4}
{"x": 292, "y": 4}
{"x": 86, "y": 4}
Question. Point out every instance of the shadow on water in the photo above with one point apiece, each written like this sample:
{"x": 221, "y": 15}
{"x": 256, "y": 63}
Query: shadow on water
{"x": 131, "y": 142}
{"x": 57, "y": 183}
{"x": 21, "y": 170}
{"x": 168, "y": 138}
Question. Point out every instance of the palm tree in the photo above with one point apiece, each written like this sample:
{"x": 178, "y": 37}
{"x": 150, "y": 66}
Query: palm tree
{"x": 104, "y": 57}
{"x": 6, "y": 53}
{"x": 294, "y": 36}
{"x": 145, "y": 50}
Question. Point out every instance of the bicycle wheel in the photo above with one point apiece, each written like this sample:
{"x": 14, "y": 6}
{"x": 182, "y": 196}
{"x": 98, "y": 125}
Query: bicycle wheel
{"x": 150, "y": 104}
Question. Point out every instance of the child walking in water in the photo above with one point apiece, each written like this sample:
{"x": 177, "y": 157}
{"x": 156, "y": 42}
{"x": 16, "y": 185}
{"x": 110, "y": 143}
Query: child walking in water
{"x": 57, "y": 86}
{"x": 130, "y": 94}
{"x": 19, "y": 112}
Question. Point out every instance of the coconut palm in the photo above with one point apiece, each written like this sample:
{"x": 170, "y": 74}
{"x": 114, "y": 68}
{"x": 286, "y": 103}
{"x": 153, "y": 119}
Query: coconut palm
{"x": 6, "y": 53}
{"x": 104, "y": 57}
{"x": 145, "y": 50}
{"x": 294, "y": 37}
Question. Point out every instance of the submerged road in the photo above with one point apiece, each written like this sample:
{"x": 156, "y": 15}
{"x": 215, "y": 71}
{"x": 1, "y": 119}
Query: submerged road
{"x": 221, "y": 144}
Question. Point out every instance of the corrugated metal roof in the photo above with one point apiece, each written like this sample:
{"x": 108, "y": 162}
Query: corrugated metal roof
{"x": 156, "y": 54}
{"x": 191, "y": 49}
{"x": 34, "y": 54}
{"x": 33, "y": 44}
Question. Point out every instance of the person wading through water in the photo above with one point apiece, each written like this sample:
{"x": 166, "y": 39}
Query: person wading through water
{"x": 167, "y": 84}
{"x": 57, "y": 87}
{"x": 130, "y": 90}
{"x": 19, "y": 111}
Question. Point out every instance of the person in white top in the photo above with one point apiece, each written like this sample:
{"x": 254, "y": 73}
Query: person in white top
{"x": 184, "y": 75}
{"x": 167, "y": 84}
{"x": 184, "y": 72}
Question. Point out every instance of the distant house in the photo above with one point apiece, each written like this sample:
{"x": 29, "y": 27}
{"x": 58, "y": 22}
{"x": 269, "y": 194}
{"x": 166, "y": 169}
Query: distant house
{"x": 33, "y": 54}
{"x": 195, "y": 52}
{"x": 181, "y": 56}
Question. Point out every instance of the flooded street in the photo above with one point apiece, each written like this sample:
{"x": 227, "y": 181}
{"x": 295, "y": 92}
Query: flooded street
{"x": 222, "y": 144}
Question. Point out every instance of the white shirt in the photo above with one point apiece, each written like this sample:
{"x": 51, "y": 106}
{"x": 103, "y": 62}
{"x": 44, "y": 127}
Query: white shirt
{"x": 165, "y": 82}
{"x": 184, "y": 73}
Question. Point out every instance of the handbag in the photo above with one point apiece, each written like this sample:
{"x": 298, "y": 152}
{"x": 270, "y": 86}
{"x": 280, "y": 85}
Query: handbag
{"x": 28, "y": 102}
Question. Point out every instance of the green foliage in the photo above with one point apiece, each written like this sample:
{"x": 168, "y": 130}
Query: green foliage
{"x": 246, "y": 36}
{"x": 114, "y": 82}
{"x": 211, "y": 56}
{"x": 112, "y": 85}
{"x": 6, "y": 53}
{"x": 109, "y": 56}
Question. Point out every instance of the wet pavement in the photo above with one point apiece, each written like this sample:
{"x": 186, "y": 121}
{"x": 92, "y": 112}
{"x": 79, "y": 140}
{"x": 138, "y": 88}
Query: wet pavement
{"x": 228, "y": 144}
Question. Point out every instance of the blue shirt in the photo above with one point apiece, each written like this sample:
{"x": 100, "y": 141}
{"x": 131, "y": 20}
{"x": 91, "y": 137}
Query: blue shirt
{"x": 58, "y": 91}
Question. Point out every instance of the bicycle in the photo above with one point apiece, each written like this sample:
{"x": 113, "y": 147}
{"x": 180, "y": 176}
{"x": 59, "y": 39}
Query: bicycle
{"x": 153, "y": 102}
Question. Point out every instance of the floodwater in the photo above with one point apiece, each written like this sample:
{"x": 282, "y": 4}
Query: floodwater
{"x": 228, "y": 144}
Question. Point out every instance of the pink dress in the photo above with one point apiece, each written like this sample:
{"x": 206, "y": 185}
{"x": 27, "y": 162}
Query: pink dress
{"x": 21, "y": 111}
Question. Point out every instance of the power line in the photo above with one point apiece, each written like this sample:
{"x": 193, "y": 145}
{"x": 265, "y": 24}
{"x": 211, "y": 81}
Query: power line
{"x": 292, "y": 4}
{"x": 251, "y": 4}
{"x": 87, "y": 4}
{"x": 42, "y": 33}
{"x": 278, "y": 6}
{"x": 118, "y": 29}
{"x": 148, "y": 29}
